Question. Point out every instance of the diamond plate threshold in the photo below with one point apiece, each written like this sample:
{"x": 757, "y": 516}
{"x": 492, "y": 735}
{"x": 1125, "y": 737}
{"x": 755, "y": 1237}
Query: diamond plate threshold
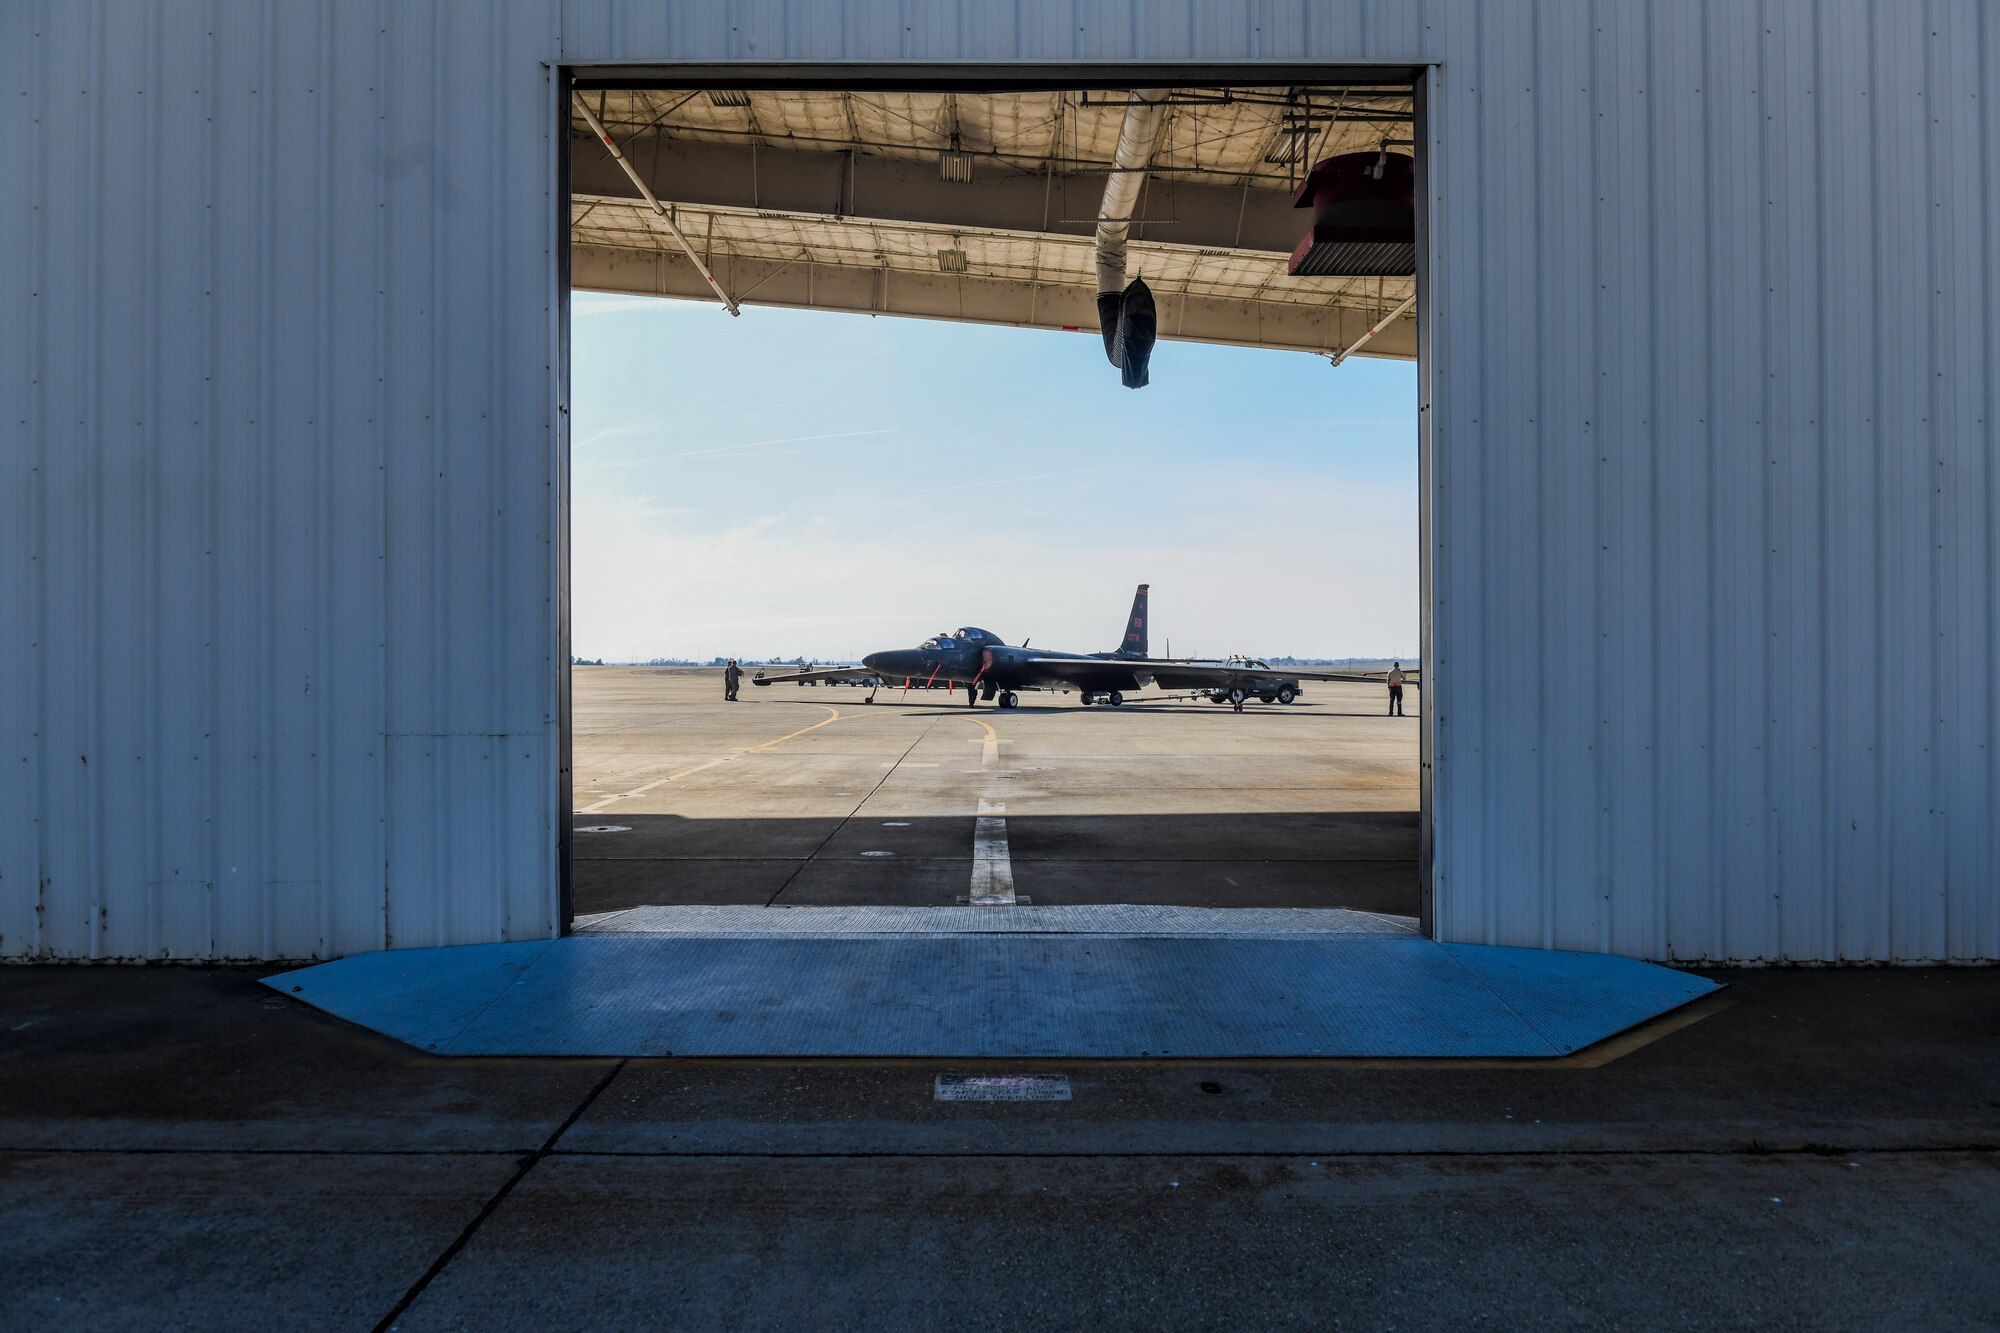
{"x": 1033, "y": 982}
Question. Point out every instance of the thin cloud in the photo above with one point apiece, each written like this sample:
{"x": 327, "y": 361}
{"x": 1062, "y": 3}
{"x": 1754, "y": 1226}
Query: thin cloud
{"x": 732, "y": 448}
{"x": 1003, "y": 481}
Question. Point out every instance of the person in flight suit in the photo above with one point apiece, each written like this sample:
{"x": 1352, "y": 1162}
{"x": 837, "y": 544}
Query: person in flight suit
{"x": 732, "y": 676}
{"x": 1396, "y": 690}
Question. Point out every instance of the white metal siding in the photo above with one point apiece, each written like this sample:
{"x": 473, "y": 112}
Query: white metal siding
{"x": 1715, "y": 557}
{"x": 1715, "y": 578}
{"x": 277, "y": 613}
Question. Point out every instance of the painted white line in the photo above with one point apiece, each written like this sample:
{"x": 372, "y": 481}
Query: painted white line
{"x": 992, "y": 868}
{"x": 989, "y": 751}
{"x": 1001, "y": 1088}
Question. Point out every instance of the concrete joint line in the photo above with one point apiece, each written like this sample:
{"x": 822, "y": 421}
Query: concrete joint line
{"x": 960, "y": 1153}
{"x": 889, "y": 772}
{"x": 464, "y": 1238}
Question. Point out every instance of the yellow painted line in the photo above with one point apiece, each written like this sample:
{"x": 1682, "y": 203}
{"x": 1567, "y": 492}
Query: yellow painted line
{"x": 833, "y": 717}
{"x": 596, "y": 806}
{"x": 1604, "y": 1052}
{"x": 1591, "y": 1057}
{"x": 657, "y": 782}
{"x": 688, "y": 772}
{"x": 989, "y": 754}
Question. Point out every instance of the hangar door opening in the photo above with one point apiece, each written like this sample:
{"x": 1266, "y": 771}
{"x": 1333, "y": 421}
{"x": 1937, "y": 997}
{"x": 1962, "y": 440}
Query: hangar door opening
{"x": 1045, "y": 460}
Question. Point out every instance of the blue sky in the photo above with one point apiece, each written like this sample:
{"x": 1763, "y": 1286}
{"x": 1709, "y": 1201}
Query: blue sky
{"x": 810, "y": 483}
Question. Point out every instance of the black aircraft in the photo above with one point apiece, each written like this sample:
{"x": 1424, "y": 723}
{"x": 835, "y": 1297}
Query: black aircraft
{"x": 987, "y": 668}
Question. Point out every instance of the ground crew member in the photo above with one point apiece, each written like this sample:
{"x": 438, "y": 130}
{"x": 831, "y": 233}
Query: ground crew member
{"x": 1396, "y": 690}
{"x": 732, "y": 676}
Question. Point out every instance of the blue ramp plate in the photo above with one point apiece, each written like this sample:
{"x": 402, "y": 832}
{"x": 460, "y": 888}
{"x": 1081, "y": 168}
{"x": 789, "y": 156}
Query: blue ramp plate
{"x": 821, "y": 990}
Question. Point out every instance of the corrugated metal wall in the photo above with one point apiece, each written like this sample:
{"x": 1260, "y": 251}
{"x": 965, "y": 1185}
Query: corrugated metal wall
{"x": 1715, "y": 495}
{"x": 1716, "y": 566}
{"x": 276, "y": 627}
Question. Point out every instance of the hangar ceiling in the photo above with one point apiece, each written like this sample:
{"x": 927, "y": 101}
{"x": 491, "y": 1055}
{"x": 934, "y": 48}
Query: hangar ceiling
{"x": 981, "y": 207}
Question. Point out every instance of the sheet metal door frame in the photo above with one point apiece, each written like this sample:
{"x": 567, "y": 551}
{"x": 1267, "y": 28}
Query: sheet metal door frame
{"x": 557, "y": 85}
{"x": 1119, "y": 76}
{"x": 1423, "y": 131}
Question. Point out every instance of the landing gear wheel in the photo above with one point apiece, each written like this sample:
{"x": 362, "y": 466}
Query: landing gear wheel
{"x": 1116, "y": 699}
{"x": 1287, "y": 694}
{"x": 1086, "y": 698}
{"x": 1008, "y": 699}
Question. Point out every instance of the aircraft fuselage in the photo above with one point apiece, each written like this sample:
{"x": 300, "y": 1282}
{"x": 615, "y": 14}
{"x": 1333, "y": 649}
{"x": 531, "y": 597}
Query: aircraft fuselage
{"x": 992, "y": 666}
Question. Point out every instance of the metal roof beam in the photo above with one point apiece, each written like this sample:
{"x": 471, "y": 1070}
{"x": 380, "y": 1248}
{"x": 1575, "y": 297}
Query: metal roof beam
{"x": 833, "y": 184}
{"x": 966, "y": 298}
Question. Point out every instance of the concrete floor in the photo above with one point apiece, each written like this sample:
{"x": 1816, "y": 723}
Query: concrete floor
{"x": 804, "y": 795}
{"x": 181, "y": 1148}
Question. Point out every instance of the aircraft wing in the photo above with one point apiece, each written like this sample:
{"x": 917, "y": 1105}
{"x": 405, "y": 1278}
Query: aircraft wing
{"x": 830, "y": 673}
{"x": 1101, "y": 666}
{"x": 1410, "y": 678}
{"x": 1170, "y": 674}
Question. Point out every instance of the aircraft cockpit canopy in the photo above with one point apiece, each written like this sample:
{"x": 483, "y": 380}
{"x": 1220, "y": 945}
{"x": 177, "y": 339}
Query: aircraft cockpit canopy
{"x": 966, "y": 636}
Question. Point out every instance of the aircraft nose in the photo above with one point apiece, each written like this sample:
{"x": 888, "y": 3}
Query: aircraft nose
{"x": 899, "y": 663}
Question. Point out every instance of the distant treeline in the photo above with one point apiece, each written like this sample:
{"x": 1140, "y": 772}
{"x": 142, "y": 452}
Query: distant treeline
{"x": 1340, "y": 661}
{"x": 713, "y": 661}
{"x": 841, "y": 662}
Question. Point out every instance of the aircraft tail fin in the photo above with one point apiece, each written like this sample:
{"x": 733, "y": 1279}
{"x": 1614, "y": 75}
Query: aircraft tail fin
{"x": 1135, "y": 626}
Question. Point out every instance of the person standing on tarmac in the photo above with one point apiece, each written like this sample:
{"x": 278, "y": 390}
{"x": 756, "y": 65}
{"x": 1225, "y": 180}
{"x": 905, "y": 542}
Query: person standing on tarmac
{"x": 732, "y": 676}
{"x": 1396, "y": 690}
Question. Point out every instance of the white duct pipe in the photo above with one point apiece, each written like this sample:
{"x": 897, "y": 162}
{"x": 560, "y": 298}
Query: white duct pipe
{"x": 1358, "y": 343}
{"x": 1144, "y": 115}
{"x": 660, "y": 214}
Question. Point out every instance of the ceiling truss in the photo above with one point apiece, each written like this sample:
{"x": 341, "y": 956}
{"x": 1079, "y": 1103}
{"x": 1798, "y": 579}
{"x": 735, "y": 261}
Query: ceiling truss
{"x": 980, "y": 207}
